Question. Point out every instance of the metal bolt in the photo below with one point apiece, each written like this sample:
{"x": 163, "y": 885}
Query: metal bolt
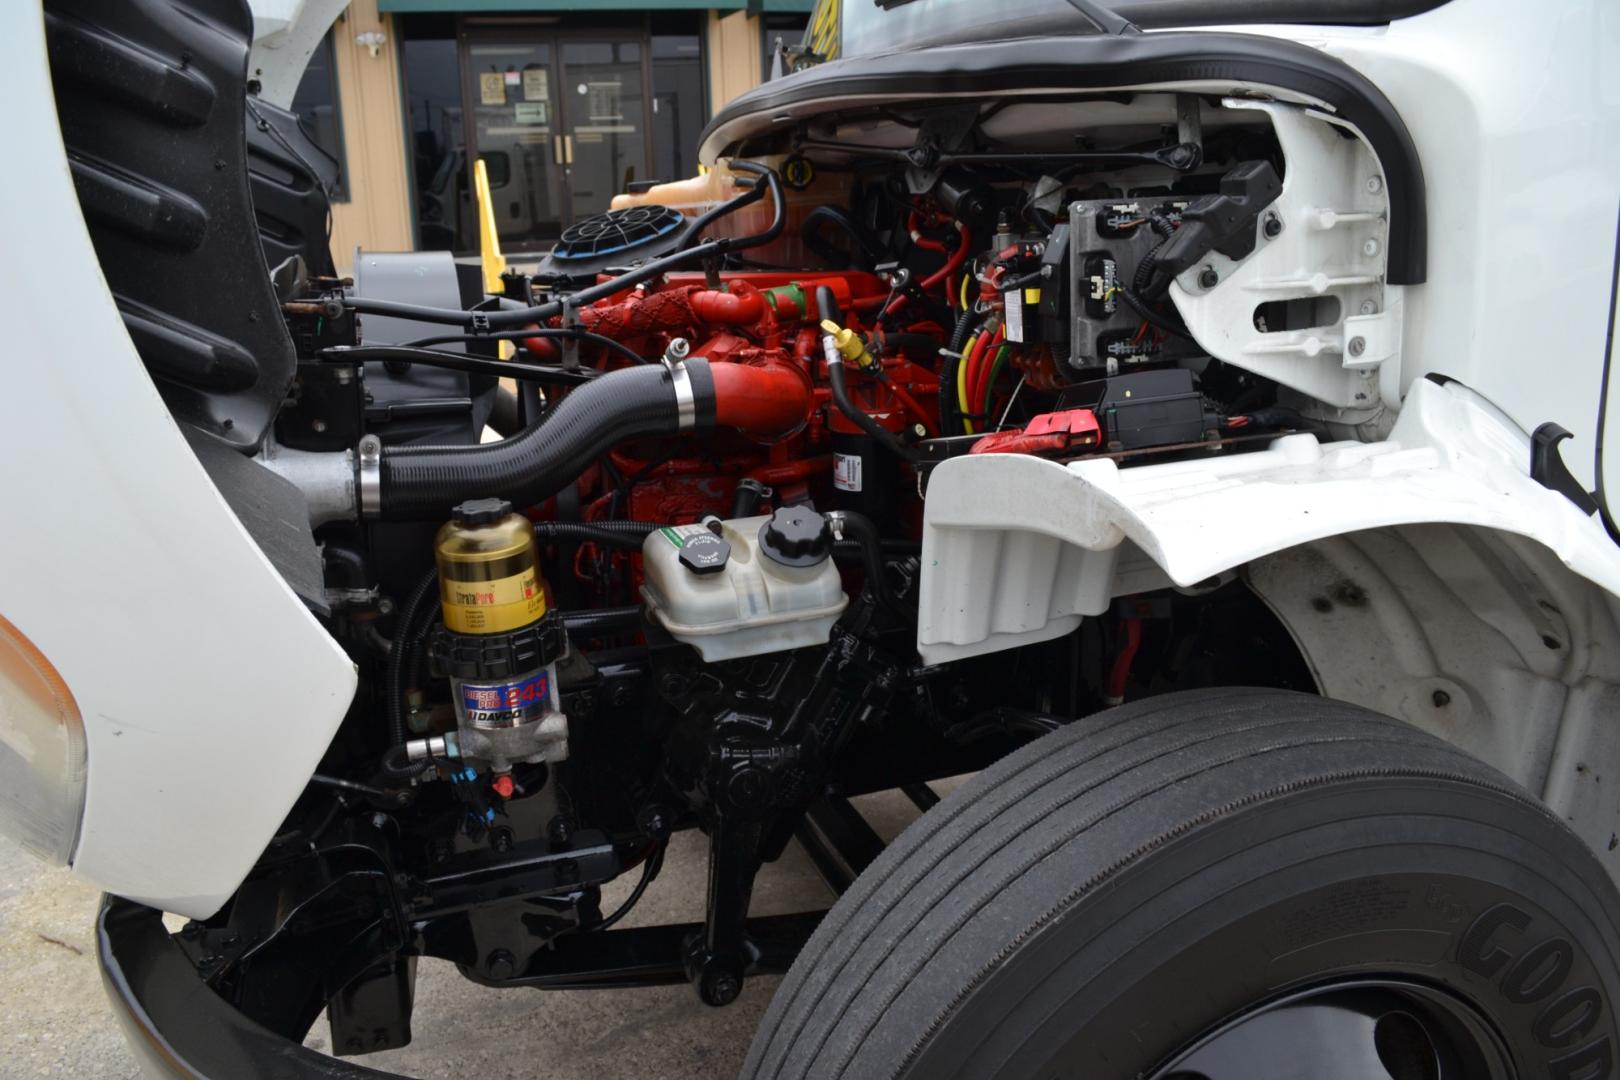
{"x": 720, "y": 988}
{"x": 1370, "y": 248}
{"x": 559, "y": 831}
{"x": 1357, "y": 346}
{"x": 919, "y": 431}
{"x": 677, "y": 350}
{"x": 385, "y": 606}
{"x": 1375, "y": 184}
{"x": 501, "y": 964}
{"x": 1273, "y": 226}
{"x": 319, "y": 425}
{"x": 342, "y": 376}
{"x": 1369, "y": 307}
{"x": 1208, "y": 278}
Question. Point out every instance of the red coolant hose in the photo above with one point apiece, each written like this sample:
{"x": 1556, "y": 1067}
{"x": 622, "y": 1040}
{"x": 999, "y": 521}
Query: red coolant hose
{"x": 952, "y": 265}
{"x": 767, "y": 401}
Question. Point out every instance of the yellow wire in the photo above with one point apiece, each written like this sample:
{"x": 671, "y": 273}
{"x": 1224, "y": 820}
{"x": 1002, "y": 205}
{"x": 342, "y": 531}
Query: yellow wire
{"x": 964, "y": 292}
{"x": 961, "y": 384}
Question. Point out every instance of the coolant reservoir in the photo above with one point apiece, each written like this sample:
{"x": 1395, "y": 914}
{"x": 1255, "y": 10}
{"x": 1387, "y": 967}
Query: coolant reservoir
{"x": 747, "y": 586}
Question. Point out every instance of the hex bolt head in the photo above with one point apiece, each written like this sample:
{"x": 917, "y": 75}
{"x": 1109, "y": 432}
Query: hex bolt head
{"x": 501, "y": 964}
{"x": 719, "y": 987}
{"x": 1208, "y": 278}
{"x": 1375, "y": 184}
{"x": 1370, "y": 248}
{"x": 1357, "y": 346}
{"x": 1369, "y": 307}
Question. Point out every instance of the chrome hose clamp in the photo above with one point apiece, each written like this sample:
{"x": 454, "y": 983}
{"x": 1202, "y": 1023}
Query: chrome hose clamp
{"x": 368, "y": 471}
{"x": 685, "y": 397}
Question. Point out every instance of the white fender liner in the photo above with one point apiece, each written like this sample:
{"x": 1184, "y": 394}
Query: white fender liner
{"x": 1017, "y": 549}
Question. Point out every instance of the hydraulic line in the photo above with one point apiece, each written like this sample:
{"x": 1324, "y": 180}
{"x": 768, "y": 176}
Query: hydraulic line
{"x": 540, "y": 333}
{"x": 476, "y": 365}
{"x": 422, "y": 596}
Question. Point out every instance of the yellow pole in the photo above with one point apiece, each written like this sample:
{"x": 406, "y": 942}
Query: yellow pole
{"x": 489, "y": 245}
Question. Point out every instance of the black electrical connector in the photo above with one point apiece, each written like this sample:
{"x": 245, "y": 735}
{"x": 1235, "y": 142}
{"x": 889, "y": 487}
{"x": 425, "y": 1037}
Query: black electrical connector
{"x": 1225, "y": 222}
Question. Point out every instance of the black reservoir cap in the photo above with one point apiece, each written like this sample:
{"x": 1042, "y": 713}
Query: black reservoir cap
{"x": 796, "y": 536}
{"x": 705, "y": 553}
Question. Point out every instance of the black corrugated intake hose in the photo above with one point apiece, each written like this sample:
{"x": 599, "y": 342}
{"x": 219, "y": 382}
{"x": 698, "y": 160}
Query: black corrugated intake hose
{"x": 426, "y": 481}
{"x": 620, "y": 534}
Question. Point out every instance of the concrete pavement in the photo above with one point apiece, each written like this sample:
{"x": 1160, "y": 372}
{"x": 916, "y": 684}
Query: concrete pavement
{"x": 58, "y": 1022}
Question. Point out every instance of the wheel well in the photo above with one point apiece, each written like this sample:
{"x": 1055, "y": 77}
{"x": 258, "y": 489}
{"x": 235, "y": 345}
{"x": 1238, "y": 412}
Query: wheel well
{"x": 1482, "y": 638}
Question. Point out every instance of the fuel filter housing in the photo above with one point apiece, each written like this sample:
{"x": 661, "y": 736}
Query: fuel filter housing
{"x": 501, "y": 640}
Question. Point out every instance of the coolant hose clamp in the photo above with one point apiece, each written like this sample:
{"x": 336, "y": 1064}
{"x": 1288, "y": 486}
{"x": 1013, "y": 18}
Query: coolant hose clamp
{"x": 368, "y": 470}
{"x": 685, "y": 397}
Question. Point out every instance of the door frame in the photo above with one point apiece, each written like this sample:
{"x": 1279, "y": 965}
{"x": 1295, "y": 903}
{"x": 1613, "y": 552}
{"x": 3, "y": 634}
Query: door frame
{"x": 472, "y": 30}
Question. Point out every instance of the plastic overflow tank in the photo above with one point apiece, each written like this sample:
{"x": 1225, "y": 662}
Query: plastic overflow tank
{"x": 742, "y": 602}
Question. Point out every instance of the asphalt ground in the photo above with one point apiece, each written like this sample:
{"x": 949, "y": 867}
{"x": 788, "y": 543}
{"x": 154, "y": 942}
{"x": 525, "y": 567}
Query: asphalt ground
{"x": 58, "y": 1022}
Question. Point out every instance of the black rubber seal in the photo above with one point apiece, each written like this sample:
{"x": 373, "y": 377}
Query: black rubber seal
{"x": 1108, "y": 63}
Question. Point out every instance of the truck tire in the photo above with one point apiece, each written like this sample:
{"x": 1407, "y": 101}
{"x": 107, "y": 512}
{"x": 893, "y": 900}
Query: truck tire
{"x": 1216, "y": 885}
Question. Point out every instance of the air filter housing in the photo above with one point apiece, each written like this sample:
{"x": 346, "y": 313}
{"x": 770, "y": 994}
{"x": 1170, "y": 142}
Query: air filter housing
{"x": 613, "y": 239}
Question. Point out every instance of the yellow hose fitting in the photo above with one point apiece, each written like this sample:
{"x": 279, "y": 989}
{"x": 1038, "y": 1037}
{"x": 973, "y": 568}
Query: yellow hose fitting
{"x": 849, "y": 343}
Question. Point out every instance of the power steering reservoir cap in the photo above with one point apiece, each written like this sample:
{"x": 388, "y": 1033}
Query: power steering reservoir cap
{"x": 705, "y": 553}
{"x": 796, "y": 536}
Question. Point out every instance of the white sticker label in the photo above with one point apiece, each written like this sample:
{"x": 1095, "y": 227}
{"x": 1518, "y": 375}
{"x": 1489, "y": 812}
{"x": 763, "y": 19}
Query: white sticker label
{"x": 847, "y": 472}
{"x": 1015, "y": 314}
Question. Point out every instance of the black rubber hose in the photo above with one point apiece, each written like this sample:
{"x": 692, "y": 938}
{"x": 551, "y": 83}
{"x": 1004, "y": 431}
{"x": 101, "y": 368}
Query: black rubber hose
{"x": 603, "y": 622}
{"x": 477, "y": 365}
{"x": 861, "y": 255}
{"x": 620, "y": 534}
{"x": 347, "y": 565}
{"x": 396, "y": 765}
{"x": 426, "y": 481}
{"x": 404, "y": 629}
{"x": 694, "y": 233}
{"x": 512, "y": 317}
{"x": 861, "y": 419}
{"x": 859, "y": 528}
{"x": 584, "y": 336}
{"x": 827, "y": 303}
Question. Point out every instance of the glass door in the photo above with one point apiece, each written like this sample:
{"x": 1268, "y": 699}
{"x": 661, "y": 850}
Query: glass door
{"x": 511, "y": 91}
{"x": 559, "y": 120}
{"x": 605, "y": 116}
